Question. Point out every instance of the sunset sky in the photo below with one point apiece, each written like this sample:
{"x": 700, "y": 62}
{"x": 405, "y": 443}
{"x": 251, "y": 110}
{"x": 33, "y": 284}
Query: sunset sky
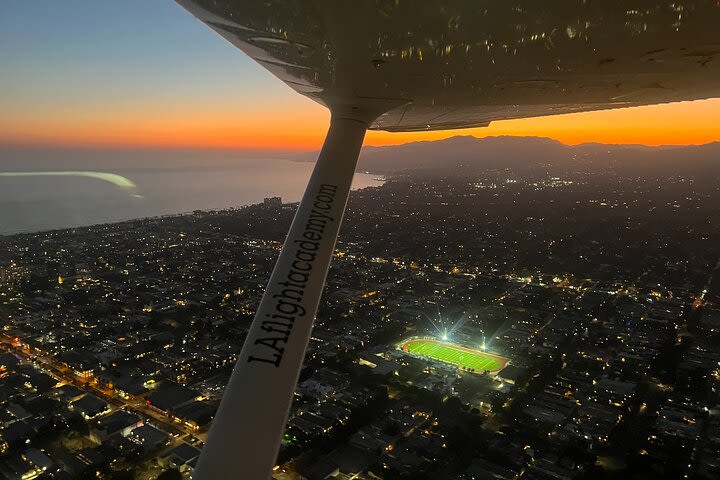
{"x": 144, "y": 73}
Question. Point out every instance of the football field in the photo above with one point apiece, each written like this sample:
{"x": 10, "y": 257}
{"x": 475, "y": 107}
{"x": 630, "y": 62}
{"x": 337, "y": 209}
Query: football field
{"x": 456, "y": 355}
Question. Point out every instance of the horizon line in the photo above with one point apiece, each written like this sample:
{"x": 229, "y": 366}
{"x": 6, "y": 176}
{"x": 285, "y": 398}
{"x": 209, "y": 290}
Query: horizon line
{"x": 302, "y": 150}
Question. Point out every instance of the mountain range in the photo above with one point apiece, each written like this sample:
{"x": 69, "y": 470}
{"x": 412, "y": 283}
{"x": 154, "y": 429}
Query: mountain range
{"x": 462, "y": 153}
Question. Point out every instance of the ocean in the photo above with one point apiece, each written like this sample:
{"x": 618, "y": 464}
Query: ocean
{"x": 38, "y": 195}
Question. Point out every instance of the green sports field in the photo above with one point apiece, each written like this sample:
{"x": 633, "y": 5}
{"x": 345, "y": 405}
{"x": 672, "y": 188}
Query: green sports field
{"x": 456, "y": 355}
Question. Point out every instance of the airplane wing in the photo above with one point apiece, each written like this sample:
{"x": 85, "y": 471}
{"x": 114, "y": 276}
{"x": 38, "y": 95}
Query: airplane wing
{"x": 460, "y": 63}
{"x": 405, "y": 65}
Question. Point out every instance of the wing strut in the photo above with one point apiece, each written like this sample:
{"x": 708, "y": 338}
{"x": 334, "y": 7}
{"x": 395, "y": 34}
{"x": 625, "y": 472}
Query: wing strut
{"x": 245, "y": 436}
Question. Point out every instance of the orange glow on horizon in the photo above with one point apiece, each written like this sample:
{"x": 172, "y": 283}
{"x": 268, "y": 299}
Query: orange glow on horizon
{"x": 304, "y": 127}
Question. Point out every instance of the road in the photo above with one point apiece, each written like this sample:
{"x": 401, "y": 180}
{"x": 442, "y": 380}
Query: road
{"x": 137, "y": 405}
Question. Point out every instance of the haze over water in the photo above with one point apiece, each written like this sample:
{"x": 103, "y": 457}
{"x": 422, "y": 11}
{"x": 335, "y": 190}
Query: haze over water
{"x": 164, "y": 183}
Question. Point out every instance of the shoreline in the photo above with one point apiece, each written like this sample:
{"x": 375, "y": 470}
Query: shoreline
{"x": 5, "y": 236}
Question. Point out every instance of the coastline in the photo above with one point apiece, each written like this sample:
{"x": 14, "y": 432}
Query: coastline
{"x": 175, "y": 215}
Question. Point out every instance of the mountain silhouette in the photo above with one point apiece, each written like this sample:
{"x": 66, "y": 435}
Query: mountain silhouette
{"x": 462, "y": 153}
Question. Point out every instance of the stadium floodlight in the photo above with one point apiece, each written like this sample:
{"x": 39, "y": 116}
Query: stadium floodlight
{"x": 423, "y": 65}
